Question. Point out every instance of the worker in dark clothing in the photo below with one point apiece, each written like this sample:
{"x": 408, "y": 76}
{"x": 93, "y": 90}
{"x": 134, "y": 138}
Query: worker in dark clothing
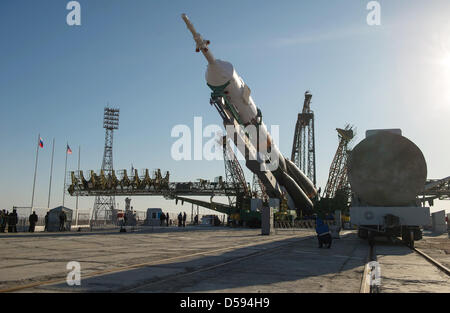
{"x": 184, "y": 219}
{"x": 62, "y": 220}
{"x": 33, "y": 220}
{"x": 7, "y": 220}
{"x": 12, "y": 222}
{"x": 167, "y": 219}
{"x": 162, "y": 219}
{"x": 3, "y": 221}
{"x": 46, "y": 222}
{"x": 180, "y": 220}
{"x": 323, "y": 233}
{"x": 196, "y": 220}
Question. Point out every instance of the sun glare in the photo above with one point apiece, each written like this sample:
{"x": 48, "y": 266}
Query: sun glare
{"x": 440, "y": 61}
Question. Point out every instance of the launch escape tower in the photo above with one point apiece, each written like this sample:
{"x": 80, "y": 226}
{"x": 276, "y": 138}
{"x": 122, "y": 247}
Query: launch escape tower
{"x": 338, "y": 178}
{"x": 303, "y": 148}
{"x": 105, "y": 204}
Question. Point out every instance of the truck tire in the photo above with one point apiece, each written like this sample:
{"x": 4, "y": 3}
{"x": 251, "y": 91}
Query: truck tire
{"x": 362, "y": 233}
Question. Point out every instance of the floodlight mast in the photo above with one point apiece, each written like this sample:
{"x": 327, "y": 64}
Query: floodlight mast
{"x": 107, "y": 203}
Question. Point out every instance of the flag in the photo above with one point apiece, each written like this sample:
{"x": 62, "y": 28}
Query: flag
{"x": 41, "y": 142}
{"x": 69, "y": 151}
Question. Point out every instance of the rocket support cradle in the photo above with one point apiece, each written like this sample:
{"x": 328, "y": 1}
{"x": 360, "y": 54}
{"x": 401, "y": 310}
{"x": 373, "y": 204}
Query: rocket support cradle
{"x": 231, "y": 97}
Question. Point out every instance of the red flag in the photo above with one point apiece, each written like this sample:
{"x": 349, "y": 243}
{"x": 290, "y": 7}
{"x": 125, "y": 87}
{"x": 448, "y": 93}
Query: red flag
{"x": 69, "y": 151}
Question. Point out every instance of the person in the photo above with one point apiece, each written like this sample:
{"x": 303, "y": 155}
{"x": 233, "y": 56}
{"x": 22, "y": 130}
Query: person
{"x": 12, "y": 222}
{"x": 7, "y": 220}
{"x": 162, "y": 218}
{"x": 184, "y": 219}
{"x": 46, "y": 222}
{"x": 33, "y": 220}
{"x": 125, "y": 218}
{"x": 167, "y": 219}
{"x": 323, "y": 233}
{"x": 180, "y": 220}
{"x": 3, "y": 218}
{"x": 196, "y": 220}
{"x": 62, "y": 220}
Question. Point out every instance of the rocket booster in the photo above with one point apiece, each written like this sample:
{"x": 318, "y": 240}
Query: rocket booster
{"x": 237, "y": 105}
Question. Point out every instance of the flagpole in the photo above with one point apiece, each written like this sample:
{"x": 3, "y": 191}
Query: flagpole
{"x": 76, "y": 211}
{"x": 51, "y": 174}
{"x": 35, "y": 170}
{"x": 64, "y": 183}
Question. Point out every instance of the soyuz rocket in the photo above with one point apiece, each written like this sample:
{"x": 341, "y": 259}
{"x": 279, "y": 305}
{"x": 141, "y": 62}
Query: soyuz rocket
{"x": 231, "y": 97}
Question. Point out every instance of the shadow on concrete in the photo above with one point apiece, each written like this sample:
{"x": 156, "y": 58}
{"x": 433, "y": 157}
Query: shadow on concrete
{"x": 140, "y": 230}
{"x": 433, "y": 234}
{"x": 397, "y": 247}
{"x": 296, "y": 260}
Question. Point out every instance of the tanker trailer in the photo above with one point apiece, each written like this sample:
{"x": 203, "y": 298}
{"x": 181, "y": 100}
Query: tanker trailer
{"x": 387, "y": 172}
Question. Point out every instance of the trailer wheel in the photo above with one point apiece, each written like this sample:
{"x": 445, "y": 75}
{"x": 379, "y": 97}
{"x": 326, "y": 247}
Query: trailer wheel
{"x": 371, "y": 237}
{"x": 411, "y": 239}
{"x": 362, "y": 233}
{"x": 408, "y": 237}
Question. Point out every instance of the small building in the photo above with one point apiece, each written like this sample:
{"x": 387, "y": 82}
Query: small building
{"x": 153, "y": 217}
{"x": 54, "y": 220}
{"x": 210, "y": 220}
{"x": 438, "y": 222}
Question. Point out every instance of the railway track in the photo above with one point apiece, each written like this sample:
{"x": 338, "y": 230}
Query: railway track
{"x": 431, "y": 260}
{"x": 437, "y": 264}
{"x": 371, "y": 267}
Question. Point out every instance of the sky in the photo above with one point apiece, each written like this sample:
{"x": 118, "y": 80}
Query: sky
{"x": 138, "y": 55}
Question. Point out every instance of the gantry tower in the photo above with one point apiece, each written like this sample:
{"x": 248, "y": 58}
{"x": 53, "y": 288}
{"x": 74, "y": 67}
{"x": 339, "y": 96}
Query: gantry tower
{"x": 338, "y": 178}
{"x": 303, "y": 148}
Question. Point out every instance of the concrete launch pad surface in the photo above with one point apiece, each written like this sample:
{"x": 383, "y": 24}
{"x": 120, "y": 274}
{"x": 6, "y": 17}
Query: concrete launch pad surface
{"x": 209, "y": 259}
{"x": 183, "y": 260}
{"x": 437, "y": 247}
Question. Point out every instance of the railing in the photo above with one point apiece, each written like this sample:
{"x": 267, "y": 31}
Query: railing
{"x": 300, "y": 224}
{"x": 139, "y": 185}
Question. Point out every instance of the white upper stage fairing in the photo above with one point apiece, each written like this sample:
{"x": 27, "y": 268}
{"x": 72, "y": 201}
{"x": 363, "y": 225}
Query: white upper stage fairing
{"x": 221, "y": 72}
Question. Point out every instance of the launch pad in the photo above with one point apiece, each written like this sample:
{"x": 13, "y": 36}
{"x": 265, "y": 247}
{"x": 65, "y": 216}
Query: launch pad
{"x": 222, "y": 260}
